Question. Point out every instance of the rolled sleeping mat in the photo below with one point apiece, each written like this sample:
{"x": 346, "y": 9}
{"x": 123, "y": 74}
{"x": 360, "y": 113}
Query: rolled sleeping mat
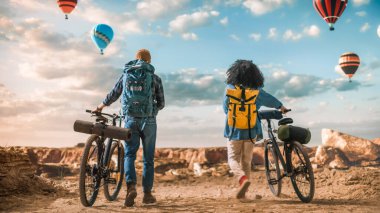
{"x": 102, "y": 130}
{"x": 288, "y": 133}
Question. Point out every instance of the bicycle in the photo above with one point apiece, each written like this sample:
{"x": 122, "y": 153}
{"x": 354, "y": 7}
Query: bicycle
{"x": 102, "y": 159}
{"x": 293, "y": 160}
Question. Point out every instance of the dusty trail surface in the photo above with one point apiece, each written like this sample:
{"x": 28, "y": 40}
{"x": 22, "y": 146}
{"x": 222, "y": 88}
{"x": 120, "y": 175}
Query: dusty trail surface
{"x": 353, "y": 190}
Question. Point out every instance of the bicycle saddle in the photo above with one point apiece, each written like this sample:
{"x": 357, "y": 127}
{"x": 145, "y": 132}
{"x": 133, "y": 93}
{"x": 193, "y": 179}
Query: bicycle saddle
{"x": 285, "y": 121}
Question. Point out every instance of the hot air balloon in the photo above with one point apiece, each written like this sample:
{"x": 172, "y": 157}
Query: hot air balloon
{"x": 330, "y": 10}
{"x": 378, "y": 31}
{"x": 349, "y": 62}
{"x": 67, "y": 6}
{"x": 102, "y": 35}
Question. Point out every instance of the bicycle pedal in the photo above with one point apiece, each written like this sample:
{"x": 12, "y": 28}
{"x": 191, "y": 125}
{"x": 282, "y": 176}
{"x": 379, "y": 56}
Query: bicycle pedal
{"x": 111, "y": 180}
{"x": 272, "y": 181}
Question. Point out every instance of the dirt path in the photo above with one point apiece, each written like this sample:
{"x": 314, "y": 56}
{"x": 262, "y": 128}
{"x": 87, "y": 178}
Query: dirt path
{"x": 354, "y": 190}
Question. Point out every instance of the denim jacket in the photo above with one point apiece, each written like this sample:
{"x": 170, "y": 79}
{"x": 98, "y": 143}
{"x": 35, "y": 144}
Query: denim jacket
{"x": 263, "y": 99}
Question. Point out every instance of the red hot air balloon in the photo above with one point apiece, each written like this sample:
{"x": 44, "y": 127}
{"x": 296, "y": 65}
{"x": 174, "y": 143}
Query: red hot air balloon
{"x": 349, "y": 62}
{"x": 67, "y": 6}
{"x": 330, "y": 10}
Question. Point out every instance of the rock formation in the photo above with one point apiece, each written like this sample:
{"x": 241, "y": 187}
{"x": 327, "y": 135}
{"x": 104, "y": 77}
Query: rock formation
{"x": 339, "y": 150}
{"x": 17, "y": 174}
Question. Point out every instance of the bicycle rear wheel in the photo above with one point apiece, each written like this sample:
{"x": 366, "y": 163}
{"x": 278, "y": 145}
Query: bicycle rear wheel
{"x": 303, "y": 176}
{"x": 89, "y": 178}
{"x": 272, "y": 169}
{"x": 114, "y": 181}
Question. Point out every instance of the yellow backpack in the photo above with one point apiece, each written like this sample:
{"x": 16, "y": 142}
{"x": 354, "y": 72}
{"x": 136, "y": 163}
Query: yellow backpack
{"x": 242, "y": 113}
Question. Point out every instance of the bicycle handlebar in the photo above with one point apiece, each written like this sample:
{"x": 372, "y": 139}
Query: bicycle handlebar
{"x": 101, "y": 113}
{"x": 271, "y": 114}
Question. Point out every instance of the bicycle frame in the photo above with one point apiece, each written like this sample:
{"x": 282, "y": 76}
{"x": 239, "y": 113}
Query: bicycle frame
{"x": 105, "y": 148}
{"x": 287, "y": 162}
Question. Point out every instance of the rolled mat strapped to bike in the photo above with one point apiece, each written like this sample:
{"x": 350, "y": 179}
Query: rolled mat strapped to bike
{"x": 102, "y": 130}
{"x": 288, "y": 133}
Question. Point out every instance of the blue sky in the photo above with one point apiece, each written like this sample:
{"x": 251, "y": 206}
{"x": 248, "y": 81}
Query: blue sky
{"x": 52, "y": 71}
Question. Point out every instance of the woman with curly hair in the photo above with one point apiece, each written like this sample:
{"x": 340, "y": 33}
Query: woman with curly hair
{"x": 244, "y": 95}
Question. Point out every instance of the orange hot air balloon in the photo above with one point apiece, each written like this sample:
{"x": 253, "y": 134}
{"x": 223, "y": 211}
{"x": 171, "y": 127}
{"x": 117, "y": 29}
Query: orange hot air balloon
{"x": 67, "y": 6}
{"x": 349, "y": 62}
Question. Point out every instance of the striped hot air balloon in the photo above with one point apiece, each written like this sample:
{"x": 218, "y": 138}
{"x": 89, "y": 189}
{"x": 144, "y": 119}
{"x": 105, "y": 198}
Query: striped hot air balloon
{"x": 330, "y": 10}
{"x": 102, "y": 35}
{"x": 349, "y": 62}
{"x": 67, "y": 6}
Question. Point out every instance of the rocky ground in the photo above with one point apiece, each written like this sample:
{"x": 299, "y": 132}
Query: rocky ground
{"x": 353, "y": 190}
{"x": 347, "y": 175}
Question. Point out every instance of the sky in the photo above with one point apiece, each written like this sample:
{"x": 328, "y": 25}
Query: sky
{"x": 51, "y": 71}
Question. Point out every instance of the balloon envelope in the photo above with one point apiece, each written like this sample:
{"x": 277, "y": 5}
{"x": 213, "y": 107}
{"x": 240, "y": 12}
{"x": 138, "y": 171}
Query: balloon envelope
{"x": 67, "y": 6}
{"x": 330, "y": 10}
{"x": 349, "y": 62}
{"x": 102, "y": 35}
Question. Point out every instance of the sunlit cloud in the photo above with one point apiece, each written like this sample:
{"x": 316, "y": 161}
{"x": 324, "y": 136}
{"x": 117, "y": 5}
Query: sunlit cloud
{"x": 154, "y": 9}
{"x": 365, "y": 27}
{"x": 265, "y": 6}
{"x": 186, "y": 22}
{"x": 224, "y": 21}
{"x": 255, "y": 36}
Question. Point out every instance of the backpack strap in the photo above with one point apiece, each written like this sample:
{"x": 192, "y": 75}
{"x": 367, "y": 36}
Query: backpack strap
{"x": 234, "y": 122}
{"x": 249, "y": 123}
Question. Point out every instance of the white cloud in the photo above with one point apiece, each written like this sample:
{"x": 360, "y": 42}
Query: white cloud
{"x": 153, "y": 9}
{"x": 339, "y": 70}
{"x": 235, "y": 37}
{"x": 261, "y": 7}
{"x": 312, "y": 31}
{"x": 224, "y": 21}
{"x": 255, "y": 36}
{"x": 272, "y": 33}
{"x": 364, "y": 27}
{"x": 361, "y": 2}
{"x": 361, "y": 13}
{"x": 378, "y": 31}
{"x": 125, "y": 22}
{"x": 184, "y": 23}
{"x": 290, "y": 35}
{"x": 190, "y": 36}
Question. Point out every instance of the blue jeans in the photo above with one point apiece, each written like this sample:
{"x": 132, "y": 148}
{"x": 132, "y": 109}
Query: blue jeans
{"x": 144, "y": 128}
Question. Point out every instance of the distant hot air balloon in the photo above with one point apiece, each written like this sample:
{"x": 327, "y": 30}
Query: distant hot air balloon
{"x": 349, "y": 62}
{"x": 330, "y": 10}
{"x": 102, "y": 35}
{"x": 67, "y": 6}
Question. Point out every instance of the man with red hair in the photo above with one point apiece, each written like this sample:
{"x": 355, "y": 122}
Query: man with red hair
{"x": 142, "y": 97}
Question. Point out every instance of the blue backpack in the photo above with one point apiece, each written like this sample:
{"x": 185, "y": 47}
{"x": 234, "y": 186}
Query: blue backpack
{"x": 137, "y": 100}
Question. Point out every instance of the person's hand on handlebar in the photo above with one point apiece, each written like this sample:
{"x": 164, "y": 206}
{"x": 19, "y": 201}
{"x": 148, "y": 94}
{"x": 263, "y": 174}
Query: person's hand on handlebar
{"x": 284, "y": 110}
{"x": 98, "y": 108}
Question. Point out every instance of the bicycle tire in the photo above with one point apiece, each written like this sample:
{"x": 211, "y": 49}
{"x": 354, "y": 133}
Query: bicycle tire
{"x": 274, "y": 183}
{"x": 84, "y": 169}
{"x": 305, "y": 169}
{"x": 119, "y": 177}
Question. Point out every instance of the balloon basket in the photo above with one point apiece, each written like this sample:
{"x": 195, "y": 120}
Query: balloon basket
{"x": 66, "y": 17}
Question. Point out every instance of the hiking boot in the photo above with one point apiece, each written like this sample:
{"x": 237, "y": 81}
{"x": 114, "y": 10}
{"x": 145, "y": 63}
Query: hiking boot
{"x": 131, "y": 195}
{"x": 244, "y": 184}
{"x": 149, "y": 198}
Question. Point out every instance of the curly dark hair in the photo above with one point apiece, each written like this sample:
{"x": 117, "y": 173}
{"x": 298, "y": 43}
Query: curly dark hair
{"x": 245, "y": 73}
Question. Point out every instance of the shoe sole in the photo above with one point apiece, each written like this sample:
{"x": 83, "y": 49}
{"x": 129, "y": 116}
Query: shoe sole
{"x": 243, "y": 190}
{"x": 130, "y": 200}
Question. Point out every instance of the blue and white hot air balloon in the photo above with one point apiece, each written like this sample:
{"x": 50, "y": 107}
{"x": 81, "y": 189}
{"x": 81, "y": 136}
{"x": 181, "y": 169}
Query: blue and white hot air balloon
{"x": 102, "y": 35}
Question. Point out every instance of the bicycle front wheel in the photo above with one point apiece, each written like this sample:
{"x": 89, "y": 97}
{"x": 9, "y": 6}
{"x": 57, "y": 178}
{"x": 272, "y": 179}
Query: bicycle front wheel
{"x": 89, "y": 178}
{"x": 272, "y": 169}
{"x": 303, "y": 176}
{"x": 115, "y": 166}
